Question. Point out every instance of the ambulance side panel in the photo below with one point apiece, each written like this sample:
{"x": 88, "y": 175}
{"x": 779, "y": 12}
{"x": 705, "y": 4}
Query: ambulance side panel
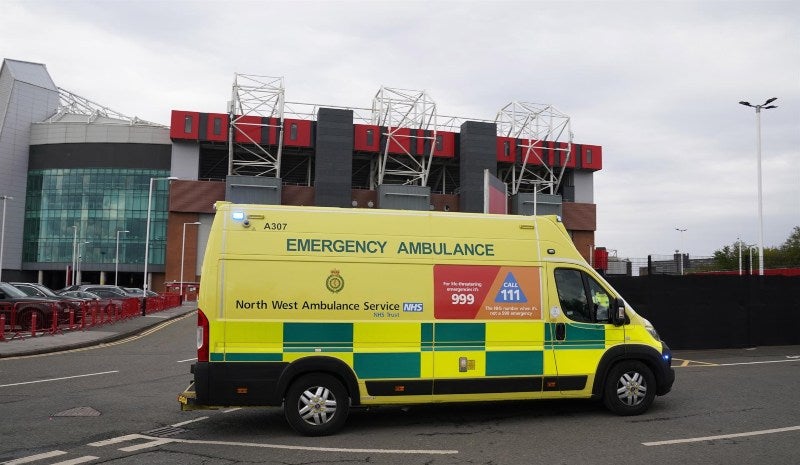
{"x": 402, "y": 307}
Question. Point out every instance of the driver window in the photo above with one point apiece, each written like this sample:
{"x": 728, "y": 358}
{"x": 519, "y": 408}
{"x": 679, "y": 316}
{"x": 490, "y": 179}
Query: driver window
{"x": 600, "y": 299}
{"x": 572, "y": 295}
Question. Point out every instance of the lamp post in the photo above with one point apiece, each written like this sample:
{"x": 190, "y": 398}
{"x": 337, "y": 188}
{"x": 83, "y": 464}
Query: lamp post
{"x": 751, "y": 258}
{"x": 74, "y": 252}
{"x": 680, "y": 250}
{"x": 183, "y": 242}
{"x": 116, "y": 260}
{"x": 82, "y": 247}
{"x": 3, "y": 232}
{"x": 766, "y": 106}
{"x": 147, "y": 238}
{"x": 739, "y": 243}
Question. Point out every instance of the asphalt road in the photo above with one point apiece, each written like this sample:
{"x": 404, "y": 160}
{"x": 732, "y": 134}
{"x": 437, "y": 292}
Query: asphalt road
{"x": 117, "y": 404}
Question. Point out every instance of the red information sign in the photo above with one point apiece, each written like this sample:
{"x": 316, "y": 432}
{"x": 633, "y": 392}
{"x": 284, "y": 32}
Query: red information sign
{"x": 468, "y": 292}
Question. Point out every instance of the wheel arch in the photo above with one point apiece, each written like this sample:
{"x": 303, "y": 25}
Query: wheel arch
{"x": 645, "y": 354}
{"x": 320, "y": 364}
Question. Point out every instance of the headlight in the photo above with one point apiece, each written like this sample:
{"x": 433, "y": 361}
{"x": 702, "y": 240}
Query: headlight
{"x": 652, "y": 332}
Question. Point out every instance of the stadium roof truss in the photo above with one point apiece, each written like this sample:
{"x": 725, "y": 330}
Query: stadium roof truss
{"x": 397, "y": 110}
{"x": 531, "y": 124}
{"x": 262, "y": 97}
{"x": 71, "y": 105}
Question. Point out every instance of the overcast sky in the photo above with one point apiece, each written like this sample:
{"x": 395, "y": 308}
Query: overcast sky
{"x": 655, "y": 83}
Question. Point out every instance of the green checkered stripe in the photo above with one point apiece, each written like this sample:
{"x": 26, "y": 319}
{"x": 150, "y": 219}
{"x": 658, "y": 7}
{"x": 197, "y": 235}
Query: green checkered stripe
{"x": 449, "y": 337}
{"x": 578, "y": 336}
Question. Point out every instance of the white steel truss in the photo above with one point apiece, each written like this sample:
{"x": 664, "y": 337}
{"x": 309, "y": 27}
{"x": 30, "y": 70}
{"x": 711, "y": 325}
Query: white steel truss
{"x": 531, "y": 124}
{"x": 397, "y": 109}
{"x": 70, "y": 103}
{"x": 262, "y": 97}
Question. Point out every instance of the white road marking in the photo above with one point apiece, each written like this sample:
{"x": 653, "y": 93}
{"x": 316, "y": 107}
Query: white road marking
{"x": 33, "y": 458}
{"x": 58, "y": 379}
{"x": 188, "y": 421}
{"x": 146, "y": 445}
{"x": 84, "y": 459}
{"x": 721, "y": 436}
{"x": 231, "y": 409}
{"x": 149, "y": 442}
{"x": 319, "y": 449}
{"x": 116, "y": 440}
{"x": 152, "y": 442}
{"x": 187, "y": 360}
{"x": 756, "y": 363}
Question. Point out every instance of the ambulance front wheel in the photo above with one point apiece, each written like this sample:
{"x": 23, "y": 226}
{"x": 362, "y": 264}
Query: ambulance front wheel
{"x": 316, "y": 404}
{"x": 630, "y": 388}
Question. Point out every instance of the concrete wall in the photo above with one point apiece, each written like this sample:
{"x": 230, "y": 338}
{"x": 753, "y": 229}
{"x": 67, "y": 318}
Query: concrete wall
{"x": 478, "y": 152}
{"x": 333, "y": 170}
{"x": 27, "y": 94}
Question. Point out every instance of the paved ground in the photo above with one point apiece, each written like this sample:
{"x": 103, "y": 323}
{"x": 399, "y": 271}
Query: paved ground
{"x": 26, "y": 345}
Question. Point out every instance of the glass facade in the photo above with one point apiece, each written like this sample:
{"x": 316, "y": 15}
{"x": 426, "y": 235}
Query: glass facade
{"x": 94, "y": 203}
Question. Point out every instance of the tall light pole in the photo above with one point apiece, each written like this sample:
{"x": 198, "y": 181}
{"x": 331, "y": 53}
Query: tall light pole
{"x": 183, "y": 242}
{"x": 82, "y": 250}
{"x": 739, "y": 243}
{"x": 147, "y": 238}
{"x": 3, "y": 232}
{"x": 680, "y": 250}
{"x": 74, "y": 253}
{"x": 766, "y": 105}
{"x": 751, "y": 258}
{"x": 116, "y": 260}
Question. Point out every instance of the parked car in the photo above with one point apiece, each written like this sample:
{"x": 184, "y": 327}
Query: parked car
{"x": 40, "y": 290}
{"x": 84, "y": 295}
{"x": 93, "y": 300}
{"x": 137, "y": 292}
{"x": 26, "y": 306}
{"x": 107, "y": 291}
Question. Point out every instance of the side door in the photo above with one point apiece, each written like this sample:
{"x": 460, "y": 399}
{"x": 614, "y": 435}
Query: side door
{"x": 579, "y": 331}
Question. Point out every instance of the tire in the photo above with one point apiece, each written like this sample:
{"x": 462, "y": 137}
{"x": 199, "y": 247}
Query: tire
{"x": 316, "y": 404}
{"x": 25, "y": 319}
{"x": 630, "y": 388}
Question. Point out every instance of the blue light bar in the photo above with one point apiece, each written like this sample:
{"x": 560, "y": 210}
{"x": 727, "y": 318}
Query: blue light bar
{"x": 238, "y": 216}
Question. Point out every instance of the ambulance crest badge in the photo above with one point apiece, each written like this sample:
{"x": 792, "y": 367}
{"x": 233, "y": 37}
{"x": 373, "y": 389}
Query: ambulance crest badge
{"x": 335, "y": 282}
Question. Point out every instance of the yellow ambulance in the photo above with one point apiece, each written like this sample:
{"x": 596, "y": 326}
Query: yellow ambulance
{"x": 323, "y": 309}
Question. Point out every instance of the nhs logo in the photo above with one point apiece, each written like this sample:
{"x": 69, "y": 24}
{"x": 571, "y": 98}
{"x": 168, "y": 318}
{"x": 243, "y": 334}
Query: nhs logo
{"x": 412, "y": 306}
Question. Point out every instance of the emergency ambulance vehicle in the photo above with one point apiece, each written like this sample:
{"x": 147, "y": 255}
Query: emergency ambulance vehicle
{"x": 323, "y": 309}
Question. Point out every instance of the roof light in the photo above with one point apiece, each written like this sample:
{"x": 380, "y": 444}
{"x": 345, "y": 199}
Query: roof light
{"x": 238, "y": 216}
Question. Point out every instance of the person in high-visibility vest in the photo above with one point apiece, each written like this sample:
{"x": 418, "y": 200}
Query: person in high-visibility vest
{"x": 600, "y": 300}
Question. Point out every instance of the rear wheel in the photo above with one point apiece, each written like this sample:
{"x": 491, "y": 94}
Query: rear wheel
{"x": 316, "y": 404}
{"x": 630, "y": 388}
{"x": 26, "y": 319}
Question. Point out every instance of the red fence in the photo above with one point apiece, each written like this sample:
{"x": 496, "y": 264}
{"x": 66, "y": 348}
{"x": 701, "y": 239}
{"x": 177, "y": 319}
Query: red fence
{"x": 33, "y": 318}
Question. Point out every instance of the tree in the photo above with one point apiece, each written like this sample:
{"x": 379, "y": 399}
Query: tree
{"x": 785, "y": 256}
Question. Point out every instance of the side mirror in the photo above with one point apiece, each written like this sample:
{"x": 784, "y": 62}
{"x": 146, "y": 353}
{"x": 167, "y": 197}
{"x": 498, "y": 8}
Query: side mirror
{"x": 618, "y": 312}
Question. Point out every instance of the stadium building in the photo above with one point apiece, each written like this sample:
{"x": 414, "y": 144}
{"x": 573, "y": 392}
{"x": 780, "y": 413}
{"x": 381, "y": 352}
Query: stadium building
{"x": 84, "y": 188}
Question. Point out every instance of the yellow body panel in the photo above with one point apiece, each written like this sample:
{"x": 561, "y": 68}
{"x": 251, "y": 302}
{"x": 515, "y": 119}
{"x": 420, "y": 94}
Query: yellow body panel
{"x": 433, "y": 303}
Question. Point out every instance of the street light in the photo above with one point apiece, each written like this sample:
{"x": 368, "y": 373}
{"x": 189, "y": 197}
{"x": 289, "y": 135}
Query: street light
{"x": 147, "y": 238}
{"x": 183, "y": 242}
{"x": 766, "y": 105}
{"x": 739, "y": 243}
{"x": 82, "y": 250}
{"x": 74, "y": 252}
{"x": 116, "y": 260}
{"x": 680, "y": 251}
{"x": 3, "y": 232}
{"x": 751, "y": 258}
